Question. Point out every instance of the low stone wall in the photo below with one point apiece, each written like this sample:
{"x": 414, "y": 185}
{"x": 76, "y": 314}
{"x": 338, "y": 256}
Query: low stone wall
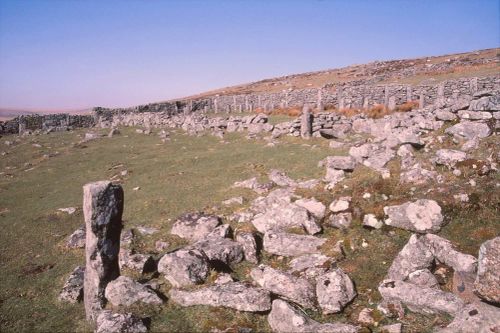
{"x": 50, "y": 122}
{"x": 341, "y": 96}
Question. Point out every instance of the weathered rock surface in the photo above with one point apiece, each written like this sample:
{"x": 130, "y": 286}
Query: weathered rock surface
{"x": 419, "y": 299}
{"x": 449, "y": 157}
{"x": 109, "y": 322}
{"x": 72, "y": 290}
{"x": 423, "y": 278}
{"x": 247, "y": 241}
{"x": 184, "y": 267}
{"x": 141, "y": 263}
{"x": 414, "y": 256}
{"x": 487, "y": 284}
{"x": 290, "y": 245}
{"x": 340, "y": 205}
{"x": 346, "y": 163}
{"x": 221, "y": 250}
{"x": 309, "y": 261}
{"x": 77, "y": 239}
{"x": 340, "y": 220}
{"x": 295, "y": 289}
{"x": 469, "y": 130}
{"x": 420, "y": 216}
{"x": 371, "y": 221}
{"x": 334, "y": 290}
{"x": 313, "y": 206}
{"x": 102, "y": 209}
{"x": 284, "y": 217}
{"x": 235, "y": 295}
{"x": 281, "y": 179}
{"x": 194, "y": 226}
{"x": 124, "y": 291}
{"x": 283, "y": 318}
{"x": 476, "y": 317}
{"x": 444, "y": 252}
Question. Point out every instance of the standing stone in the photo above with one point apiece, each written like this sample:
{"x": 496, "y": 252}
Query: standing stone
{"x": 386, "y": 96}
{"x": 421, "y": 100}
{"x": 216, "y": 108}
{"x": 440, "y": 93}
{"x": 408, "y": 93}
{"x": 306, "y": 122}
{"x": 246, "y": 103}
{"x": 340, "y": 99}
{"x": 102, "y": 209}
{"x": 473, "y": 85}
{"x": 366, "y": 101}
{"x": 391, "y": 104}
{"x": 319, "y": 104}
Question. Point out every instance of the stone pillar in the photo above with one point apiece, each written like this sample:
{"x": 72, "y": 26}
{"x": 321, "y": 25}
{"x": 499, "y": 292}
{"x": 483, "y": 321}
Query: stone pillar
{"x": 408, "y": 94}
{"x": 234, "y": 103}
{"x": 340, "y": 99}
{"x": 473, "y": 85}
{"x": 440, "y": 93}
{"x": 246, "y": 103}
{"x": 259, "y": 105}
{"x": 319, "y": 104}
{"x": 22, "y": 125}
{"x": 240, "y": 108}
{"x": 386, "y": 96}
{"x": 216, "y": 109}
{"x": 102, "y": 210}
{"x": 365, "y": 102}
{"x": 228, "y": 108}
{"x": 391, "y": 104}
{"x": 421, "y": 100}
{"x": 306, "y": 122}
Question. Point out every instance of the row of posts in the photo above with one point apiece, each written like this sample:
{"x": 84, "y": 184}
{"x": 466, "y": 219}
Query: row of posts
{"x": 389, "y": 100}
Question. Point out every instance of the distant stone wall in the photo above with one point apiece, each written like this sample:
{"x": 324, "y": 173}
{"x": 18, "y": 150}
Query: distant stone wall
{"x": 50, "y": 122}
{"x": 340, "y": 96}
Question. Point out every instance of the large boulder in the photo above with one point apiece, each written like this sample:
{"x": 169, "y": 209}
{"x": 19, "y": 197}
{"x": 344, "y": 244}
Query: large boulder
{"x": 124, "y": 291}
{"x": 420, "y": 216}
{"x": 487, "y": 284}
{"x": 235, "y": 295}
{"x": 184, "y": 267}
{"x": 295, "y": 289}
{"x": 221, "y": 250}
{"x": 420, "y": 299}
{"x": 194, "y": 226}
{"x": 476, "y": 317}
{"x": 469, "y": 130}
{"x": 290, "y": 245}
{"x": 283, "y": 318}
{"x": 334, "y": 290}
{"x": 280, "y": 218}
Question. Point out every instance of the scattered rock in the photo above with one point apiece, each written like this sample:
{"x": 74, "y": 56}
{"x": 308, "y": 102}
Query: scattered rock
{"x": 69, "y": 210}
{"x": 290, "y": 245}
{"x": 124, "y": 291}
{"x": 469, "y": 130}
{"x": 346, "y": 163}
{"x": 184, "y": 267}
{"x": 423, "y": 278}
{"x": 72, "y": 290}
{"x": 109, "y": 322}
{"x": 476, "y": 317}
{"x": 281, "y": 179}
{"x": 488, "y": 274}
{"x": 341, "y": 220}
{"x": 370, "y": 220}
{"x": 340, "y": 204}
{"x": 221, "y": 250}
{"x": 194, "y": 226}
{"x": 334, "y": 290}
{"x": 284, "y": 217}
{"x": 247, "y": 241}
{"x": 295, "y": 289}
{"x": 313, "y": 206}
{"x": 420, "y": 216}
{"x": 235, "y": 295}
{"x": 365, "y": 317}
{"x": 283, "y": 318}
{"x": 77, "y": 239}
{"x": 418, "y": 299}
{"x": 141, "y": 263}
{"x": 233, "y": 201}
{"x": 449, "y": 157}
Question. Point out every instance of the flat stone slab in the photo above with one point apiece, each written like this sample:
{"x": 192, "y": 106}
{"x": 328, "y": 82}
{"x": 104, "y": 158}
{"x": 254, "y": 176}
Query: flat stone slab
{"x": 419, "y": 299}
{"x": 124, "y": 291}
{"x": 290, "y": 245}
{"x": 295, "y": 289}
{"x": 194, "y": 226}
{"x": 284, "y": 318}
{"x": 235, "y": 295}
{"x": 420, "y": 216}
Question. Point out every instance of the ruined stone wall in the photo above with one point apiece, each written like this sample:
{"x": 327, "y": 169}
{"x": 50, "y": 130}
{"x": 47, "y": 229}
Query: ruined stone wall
{"x": 49, "y": 122}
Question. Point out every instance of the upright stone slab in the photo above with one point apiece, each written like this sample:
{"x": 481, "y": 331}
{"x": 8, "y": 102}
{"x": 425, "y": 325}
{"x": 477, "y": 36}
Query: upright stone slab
{"x": 102, "y": 209}
{"x": 409, "y": 94}
{"x": 319, "y": 104}
{"x": 473, "y": 85}
{"x": 216, "y": 109}
{"x": 306, "y": 122}
{"x": 391, "y": 104}
{"x": 440, "y": 93}
{"x": 421, "y": 100}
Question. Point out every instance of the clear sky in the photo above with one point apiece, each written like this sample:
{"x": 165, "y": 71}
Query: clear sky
{"x": 63, "y": 54}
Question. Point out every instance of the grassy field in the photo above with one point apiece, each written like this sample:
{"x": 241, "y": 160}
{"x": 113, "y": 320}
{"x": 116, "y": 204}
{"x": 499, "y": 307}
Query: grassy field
{"x": 185, "y": 174}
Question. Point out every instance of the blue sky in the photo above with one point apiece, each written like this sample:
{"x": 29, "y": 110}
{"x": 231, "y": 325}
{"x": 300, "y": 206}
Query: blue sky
{"x": 67, "y": 54}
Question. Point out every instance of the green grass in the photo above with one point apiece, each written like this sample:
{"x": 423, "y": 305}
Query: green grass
{"x": 191, "y": 174}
